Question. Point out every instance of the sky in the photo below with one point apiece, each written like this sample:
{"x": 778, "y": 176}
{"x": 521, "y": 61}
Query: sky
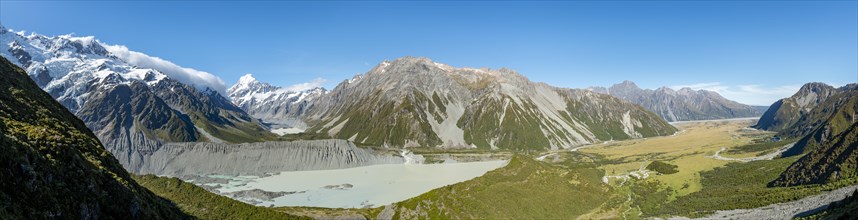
{"x": 754, "y": 52}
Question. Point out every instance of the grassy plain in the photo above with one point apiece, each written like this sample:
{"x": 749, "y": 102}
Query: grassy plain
{"x": 689, "y": 150}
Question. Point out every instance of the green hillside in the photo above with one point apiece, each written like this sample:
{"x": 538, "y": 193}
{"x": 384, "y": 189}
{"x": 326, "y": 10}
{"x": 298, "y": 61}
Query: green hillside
{"x": 54, "y": 167}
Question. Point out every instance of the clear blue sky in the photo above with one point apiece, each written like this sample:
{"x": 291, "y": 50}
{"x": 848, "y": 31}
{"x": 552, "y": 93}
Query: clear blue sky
{"x": 746, "y": 50}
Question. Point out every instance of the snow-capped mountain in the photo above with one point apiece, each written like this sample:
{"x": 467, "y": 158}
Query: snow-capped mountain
{"x": 279, "y": 106}
{"x": 131, "y": 109}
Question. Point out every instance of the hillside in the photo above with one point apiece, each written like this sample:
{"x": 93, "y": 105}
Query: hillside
{"x": 682, "y": 105}
{"x": 832, "y": 159}
{"x": 518, "y": 190}
{"x": 787, "y": 111}
{"x": 56, "y": 168}
{"x": 417, "y": 102}
{"x": 203, "y": 204}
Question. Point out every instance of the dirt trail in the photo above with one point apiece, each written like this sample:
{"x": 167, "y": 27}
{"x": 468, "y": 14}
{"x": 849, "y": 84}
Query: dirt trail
{"x": 768, "y": 156}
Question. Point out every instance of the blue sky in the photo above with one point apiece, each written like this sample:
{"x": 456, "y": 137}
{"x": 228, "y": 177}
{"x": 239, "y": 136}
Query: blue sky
{"x": 753, "y": 52}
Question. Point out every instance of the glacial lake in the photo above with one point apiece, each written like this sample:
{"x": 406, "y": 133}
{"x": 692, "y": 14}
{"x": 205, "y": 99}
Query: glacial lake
{"x": 368, "y": 186}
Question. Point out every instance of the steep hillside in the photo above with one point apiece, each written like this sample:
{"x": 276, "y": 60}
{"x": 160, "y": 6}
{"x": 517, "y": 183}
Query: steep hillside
{"x": 834, "y": 158}
{"x": 54, "y": 167}
{"x": 829, "y": 136}
{"x": 417, "y": 102}
{"x": 828, "y": 119}
{"x": 683, "y": 105}
{"x": 785, "y": 112}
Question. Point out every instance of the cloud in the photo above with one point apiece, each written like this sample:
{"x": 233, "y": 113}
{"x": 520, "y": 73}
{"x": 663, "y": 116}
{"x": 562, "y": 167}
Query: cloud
{"x": 318, "y": 82}
{"x": 751, "y": 94}
{"x": 196, "y": 78}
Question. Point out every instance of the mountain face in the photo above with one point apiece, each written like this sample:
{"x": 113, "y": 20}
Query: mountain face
{"x": 131, "y": 109}
{"x": 829, "y": 134}
{"x": 417, "y": 102}
{"x": 825, "y": 121}
{"x": 279, "y": 106}
{"x": 682, "y": 105}
{"x": 786, "y": 112}
{"x": 55, "y": 168}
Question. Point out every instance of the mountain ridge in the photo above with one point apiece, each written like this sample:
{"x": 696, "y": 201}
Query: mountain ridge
{"x": 684, "y": 104}
{"x": 131, "y": 109}
{"x": 415, "y": 101}
{"x": 828, "y": 135}
{"x": 56, "y": 167}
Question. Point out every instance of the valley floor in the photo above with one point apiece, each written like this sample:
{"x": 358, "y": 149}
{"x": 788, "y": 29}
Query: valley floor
{"x": 716, "y": 166}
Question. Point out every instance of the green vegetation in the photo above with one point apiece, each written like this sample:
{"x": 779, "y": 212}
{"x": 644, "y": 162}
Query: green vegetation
{"x": 373, "y": 122}
{"x": 519, "y": 129}
{"x": 303, "y": 136}
{"x": 735, "y": 186}
{"x": 53, "y": 167}
{"x": 331, "y": 213}
{"x": 649, "y": 196}
{"x": 662, "y": 167}
{"x": 525, "y": 188}
{"x": 835, "y": 159}
{"x": 203, "y": 204}
{"x": 761, "y": 146}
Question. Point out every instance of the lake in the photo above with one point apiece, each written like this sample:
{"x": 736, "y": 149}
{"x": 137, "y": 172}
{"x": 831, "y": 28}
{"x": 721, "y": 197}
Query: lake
{"x": 369, "y": 186}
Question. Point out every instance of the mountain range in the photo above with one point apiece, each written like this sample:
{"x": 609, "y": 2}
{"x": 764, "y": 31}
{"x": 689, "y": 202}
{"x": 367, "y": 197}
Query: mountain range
{"x": 681, "y": 105}
{"x": 54, "y": 167}
{"x": 132, "y": 110}
{"x": 412, "y": 102}
{"x": 279, "y": 106}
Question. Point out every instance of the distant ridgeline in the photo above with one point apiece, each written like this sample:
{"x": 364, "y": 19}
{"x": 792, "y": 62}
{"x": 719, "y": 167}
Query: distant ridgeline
{"x": 682, "y": 105}
{"x": 824, "y": 119}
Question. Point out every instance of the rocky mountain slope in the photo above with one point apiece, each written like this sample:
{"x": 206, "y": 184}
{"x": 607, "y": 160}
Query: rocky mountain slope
{"x": 787, "y": 111}
{"x": 417, "y": 102}
{"x": 682, "y": 105}
{"x": 829, "y": 134}
{"x": 276, "y": 105}
{"x": 131, "y": 109}
{"x": 177, "y": 159}
{"x": 54, "y": 167}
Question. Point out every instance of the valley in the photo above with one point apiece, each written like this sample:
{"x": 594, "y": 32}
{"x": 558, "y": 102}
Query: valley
{"x": 620, "y": 173}
{"x": 390, "y": 110}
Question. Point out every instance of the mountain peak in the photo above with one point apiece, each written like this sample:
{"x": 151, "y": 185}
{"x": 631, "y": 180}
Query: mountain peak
{"x": 815, "y": 86}
{"x": 246, "y": 79}
{"x": 625, "y": 85}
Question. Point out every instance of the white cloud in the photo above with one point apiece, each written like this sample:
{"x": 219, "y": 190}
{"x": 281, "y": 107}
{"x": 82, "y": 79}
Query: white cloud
{"x": 748, "y": 94}
{"x": 318, "y": 82}
{"x": 196, "y": 78}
